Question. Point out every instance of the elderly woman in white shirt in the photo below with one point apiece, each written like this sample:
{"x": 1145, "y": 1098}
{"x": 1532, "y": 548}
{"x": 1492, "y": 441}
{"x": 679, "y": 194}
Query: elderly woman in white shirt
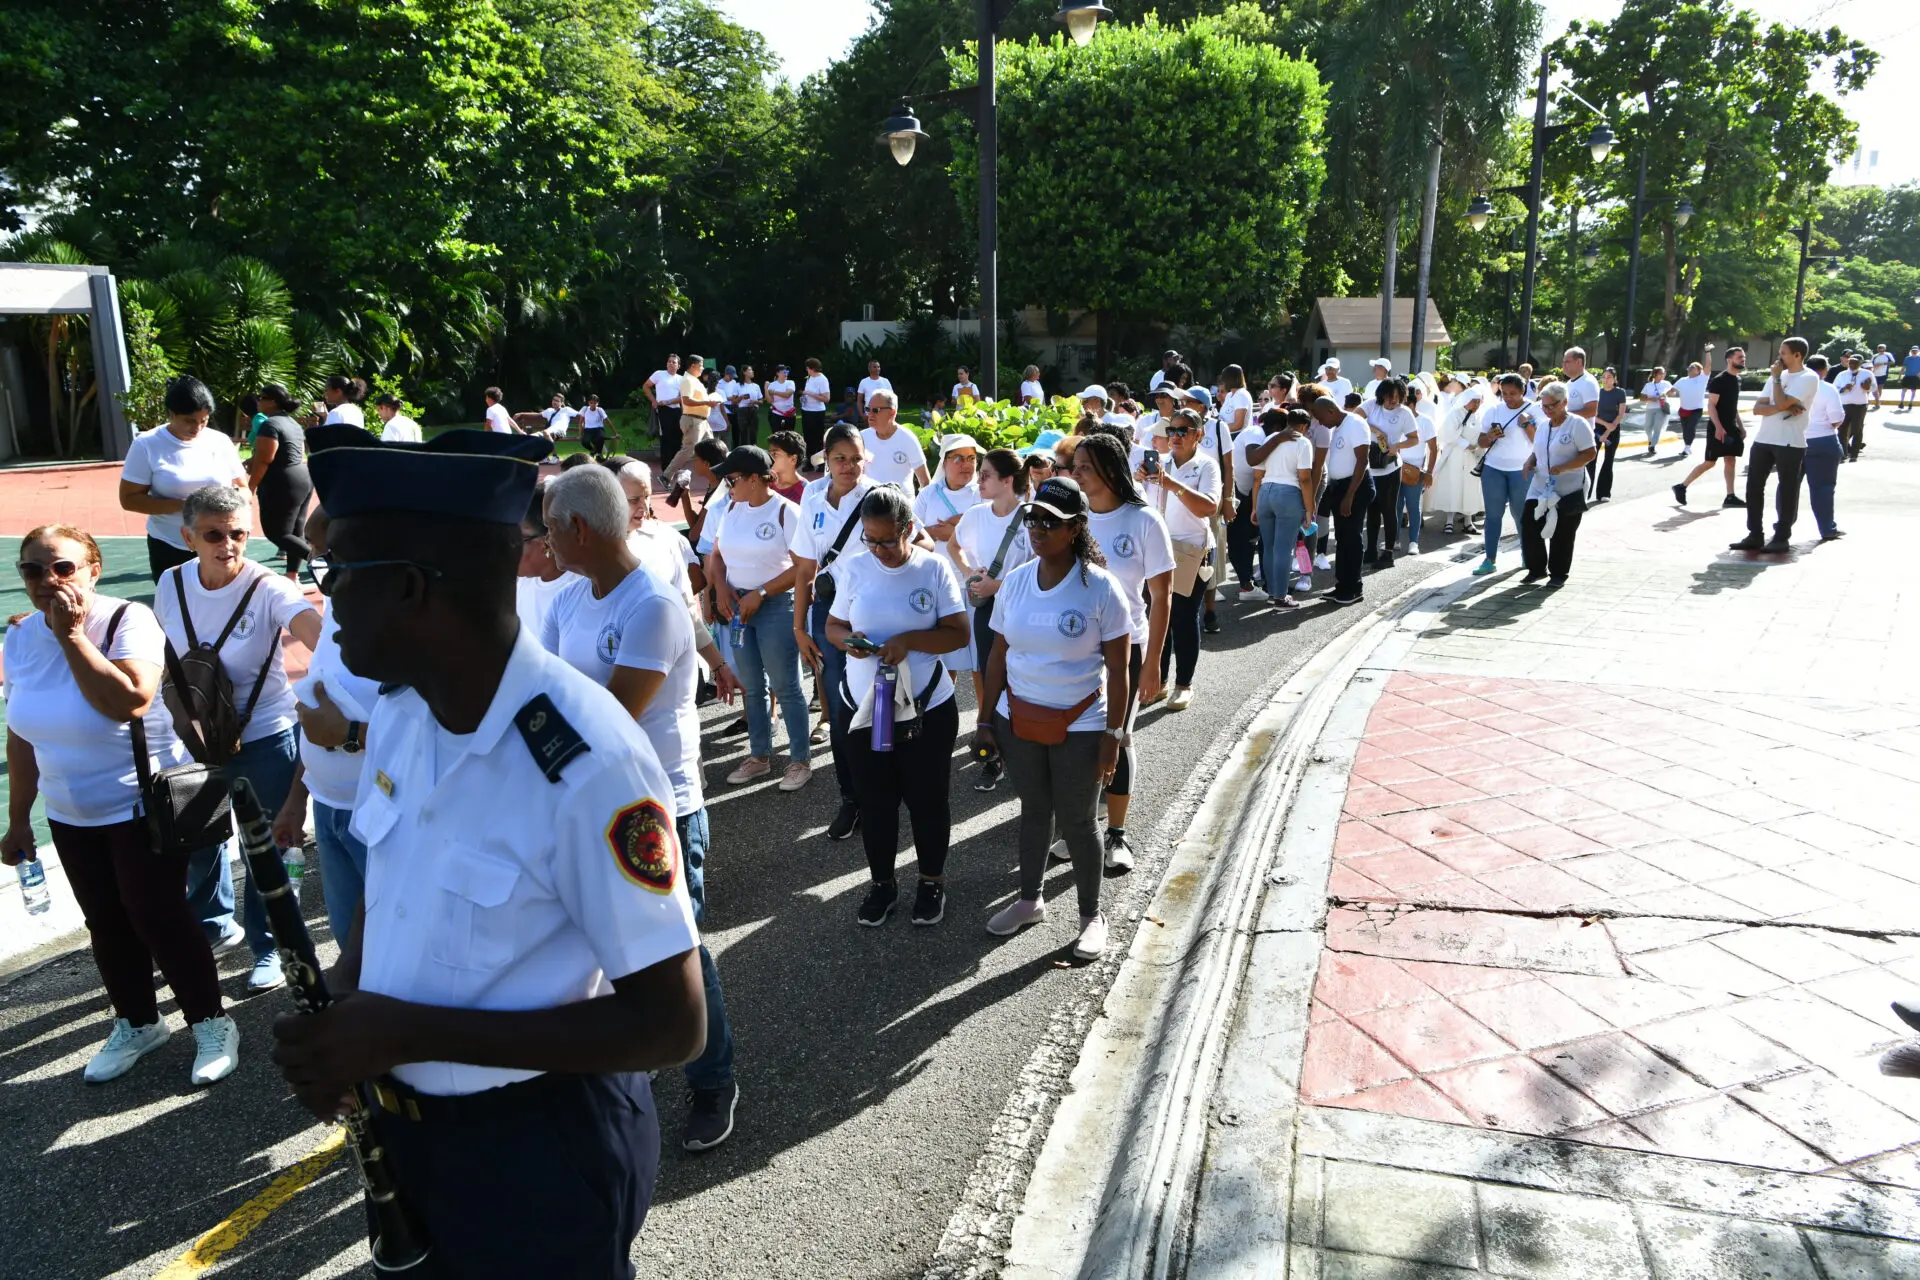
{"x": 1556, "y": 496}
{"x": 80, "y": 669}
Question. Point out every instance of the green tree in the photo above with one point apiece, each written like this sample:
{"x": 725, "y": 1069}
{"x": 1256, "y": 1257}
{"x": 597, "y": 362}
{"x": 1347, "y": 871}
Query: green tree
{"x": 1199, "y": 218}
{"x": 1731, "y": 113}
{"x": 144, "y": 400}
{"x": 1873, "y": 298}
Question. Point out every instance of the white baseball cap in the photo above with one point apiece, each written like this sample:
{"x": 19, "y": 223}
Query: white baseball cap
{"x": 1381, "y": 362}
{"x": 1094, "y": 392}
{"x": 959, "y": 440}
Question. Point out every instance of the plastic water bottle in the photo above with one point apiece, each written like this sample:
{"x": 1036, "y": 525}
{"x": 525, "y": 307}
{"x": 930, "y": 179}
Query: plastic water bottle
{"x": 884, "y": 683}
{"x": 295, "y": 861}
{"x": 737, "y": 632}
{"x": 33, "y": 886}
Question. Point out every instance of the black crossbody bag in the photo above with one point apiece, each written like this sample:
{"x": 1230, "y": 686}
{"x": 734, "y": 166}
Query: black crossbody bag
{"x": 824, "y": 589}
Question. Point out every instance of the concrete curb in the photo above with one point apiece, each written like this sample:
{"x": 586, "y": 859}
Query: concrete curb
{"x": 1112, "y": 1187}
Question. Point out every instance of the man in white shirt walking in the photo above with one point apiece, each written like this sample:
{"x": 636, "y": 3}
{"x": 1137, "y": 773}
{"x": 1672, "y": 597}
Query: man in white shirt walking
{"x": 1882, "y": 365}
{"x": 1692, "y": 391}
{"x": 1780, "y": 443}
{"x": 1583, "y": 393}
{"x": 498, "y": 419}
{"x": 1856, "y": 386}
{"x": 663, "y": 393}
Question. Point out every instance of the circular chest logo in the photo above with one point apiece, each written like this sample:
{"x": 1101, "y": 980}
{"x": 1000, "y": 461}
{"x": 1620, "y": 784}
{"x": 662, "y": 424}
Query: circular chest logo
{"x": 1123, "y": 546}
{"x": 1072, "y": 624}
{"x": 609, "y": 643}
{"x": 766, "y": 532}
{"x": 900, "y": 457}
{"x": 1565, "y": 437}
{"x": 244, "y": 627}
{"x": 921, "y": 600}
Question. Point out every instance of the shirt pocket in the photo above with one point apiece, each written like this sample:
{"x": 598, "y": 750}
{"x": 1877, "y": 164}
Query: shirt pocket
{"x": 475, "y": 925}
{"x": 373, "y": 817}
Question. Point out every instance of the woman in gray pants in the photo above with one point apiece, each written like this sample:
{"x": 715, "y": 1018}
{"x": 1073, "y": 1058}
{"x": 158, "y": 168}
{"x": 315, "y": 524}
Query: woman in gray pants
{"x": 1057, "y": 681}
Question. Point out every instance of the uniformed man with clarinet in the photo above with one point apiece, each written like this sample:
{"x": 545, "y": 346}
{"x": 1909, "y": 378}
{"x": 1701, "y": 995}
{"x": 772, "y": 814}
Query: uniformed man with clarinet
{"x": 525, "y": 951}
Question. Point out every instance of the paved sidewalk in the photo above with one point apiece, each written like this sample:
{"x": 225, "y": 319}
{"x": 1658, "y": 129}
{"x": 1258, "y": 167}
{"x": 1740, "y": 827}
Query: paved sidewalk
{"x": 1619, "y": 880}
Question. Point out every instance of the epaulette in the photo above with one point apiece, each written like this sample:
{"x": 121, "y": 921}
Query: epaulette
{"x": 552, "y": 740}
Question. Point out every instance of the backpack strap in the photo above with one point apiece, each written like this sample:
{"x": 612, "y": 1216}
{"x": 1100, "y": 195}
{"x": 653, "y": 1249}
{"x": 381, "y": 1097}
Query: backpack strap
{"x": 184, "y": 727}
{"x": 1006, "y": 540}
{"x": 846, "y": 530}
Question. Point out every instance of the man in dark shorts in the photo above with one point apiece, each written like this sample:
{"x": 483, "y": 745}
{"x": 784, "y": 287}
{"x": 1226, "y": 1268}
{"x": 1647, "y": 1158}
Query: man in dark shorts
{"x": 1909, "y": 378}
{"x": 1727, "y": 439}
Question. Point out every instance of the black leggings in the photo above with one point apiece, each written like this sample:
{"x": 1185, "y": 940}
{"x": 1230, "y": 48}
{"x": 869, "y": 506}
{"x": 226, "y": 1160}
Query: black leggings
{"x": 284, "y": 498}
{"x": 917, "y": 772}
{"x": 813, "y": 427}
{"x": 163, "y": 556}
{"x": 1384, "y": 510}
{"x": 1182, "y": 652}
{"x": 1122, "y": 784}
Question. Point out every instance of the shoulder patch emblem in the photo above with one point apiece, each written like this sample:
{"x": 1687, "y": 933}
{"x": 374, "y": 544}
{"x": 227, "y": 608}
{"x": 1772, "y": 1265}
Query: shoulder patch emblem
{"x": 644, "y": 845}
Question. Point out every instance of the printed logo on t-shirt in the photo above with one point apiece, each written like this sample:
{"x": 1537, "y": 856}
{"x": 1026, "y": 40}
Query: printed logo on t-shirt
{"x": 766, "y": 533}
{"x": 1072, "y": 623}
{"x": 900, "y": 457}
{"x": 609, "y": 643}
{"x": 244, "y": 627}
{"x": 1123, "y": 546}
{"x": 920, "y": 600}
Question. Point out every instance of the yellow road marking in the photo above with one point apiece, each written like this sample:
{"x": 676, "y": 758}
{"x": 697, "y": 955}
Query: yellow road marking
{"x": 228, "y": 1235}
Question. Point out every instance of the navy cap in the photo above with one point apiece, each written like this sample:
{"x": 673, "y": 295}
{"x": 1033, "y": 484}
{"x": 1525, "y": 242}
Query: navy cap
{"x": 1060, "y": 495}
{"x": 468, "y": 474}
{"x": 745, "y": 460}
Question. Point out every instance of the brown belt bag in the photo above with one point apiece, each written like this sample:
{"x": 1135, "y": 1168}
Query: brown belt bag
{"x": 1045, "y": 726}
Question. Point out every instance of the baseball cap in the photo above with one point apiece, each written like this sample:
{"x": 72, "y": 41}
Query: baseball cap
{"x": 744, "y": 460}
{"x": 1201, "y": 395}
{"x": 1381, "y": 362}
{"x": 1331, "y": 362}
{"x": 1060, "y": 496}
{"x": 1094, "y": 392}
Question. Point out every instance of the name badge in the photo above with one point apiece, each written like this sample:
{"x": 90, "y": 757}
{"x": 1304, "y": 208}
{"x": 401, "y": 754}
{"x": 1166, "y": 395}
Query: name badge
{"x": 382, "y": 781}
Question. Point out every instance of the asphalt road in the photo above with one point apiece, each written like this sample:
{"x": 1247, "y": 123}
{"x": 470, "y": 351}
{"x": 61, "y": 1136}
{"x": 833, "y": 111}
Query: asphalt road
{"x": 873, "y": 1063}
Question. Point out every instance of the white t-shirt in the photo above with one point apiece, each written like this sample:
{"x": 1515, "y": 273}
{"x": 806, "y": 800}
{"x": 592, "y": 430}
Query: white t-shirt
{"x": 895, "y": 459}
{"x": 1881, "y": 362}
{"x": 1584, "y": 390}
{"x": 87, "y": 777}
{"x": 1135, "y": 541}
{"x": 937, "y": 502}
{"x": 1854, "y": 387}
{"x": 814, "y": 396}
{"x": 255, "y": 639}
{"x": 753, "y": 541}
{"x": 1556, "y": 446}
{"x": 173, "y": 468}
{"x": 593, "y": 418}
{"x": 532, "y": 597}
{"x": 1789, "y": 429}
{"x": 666, "y": 388}
{"x": 780, "y": 396}
{"x": 557, "y": 420}
{"x": 1199, "y": 473}
{"x": 642, "y": 625}
{"x": 498, "y": 419}
{"x": 1252, "y": 438}
{"x": 881, "y": 603}
{"x": 1351, "y": 434}
{"x": 1055, "y": 638}
{"x": 401, "y": 429}
{"x": 1032, "y": 391}
{"x": 748, "y": 393}
{"x": 870, "y": 385}
{"x": 1826, "y": 413}
{"x": 821, "y": 519}
{"x": 1288, "y": 459}
{"x": 963, "y": 391}
{"x": 1339, "y": 389}
{"x": 1511, "y": 451}
{"x": 346, "y": 412}
{"x": 664, "y": 553}
{"x": 726, "y": 389}
{"x": 1656, "y": 390}
{"x": 715, "y": 511}
{"x": 1396, "y": 424}
{"x": 980, "y": 532}
{"x": 1232, "y": 404}
{"x": 1415, "y": 455}
{"x": 334, "y": 776}
{"x": 1693, "y": 392}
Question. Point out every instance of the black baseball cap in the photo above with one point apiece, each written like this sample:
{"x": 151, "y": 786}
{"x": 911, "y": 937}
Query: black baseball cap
{"x": 1060, "y": 496}
{"x": 744, "y": 460}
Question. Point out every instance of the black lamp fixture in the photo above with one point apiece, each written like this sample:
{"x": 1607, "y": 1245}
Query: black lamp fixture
{"x": 902, "y": 133}
{"x": 1590, "y": 256}
{"x": 1600, "y": 141}
{"x": 1683, "y": 212}
{"x": 1080, "y": 17}
{"x": 1479, "y": 212}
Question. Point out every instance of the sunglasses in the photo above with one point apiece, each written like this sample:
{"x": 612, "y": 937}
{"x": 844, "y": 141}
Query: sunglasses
{"x": 219, "y": 537}
{"x": 326, "y": 570}
{"x": 1044, "y": 523}
{"x": 33, "y": 570}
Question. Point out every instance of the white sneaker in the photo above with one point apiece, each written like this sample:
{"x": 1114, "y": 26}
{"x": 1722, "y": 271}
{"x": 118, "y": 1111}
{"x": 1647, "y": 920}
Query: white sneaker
{"x": 125, "y": 1045}
{"x": 216, "y": 1050}
{"x": 1093, "y": 937}
{"x": 1059, "y": 851}
{"x": 749, "y": 769}
{"x": 1254, "y": 595}
{"x": 1323, "y": 562}
{"x": 1413, "y": 549}
{"x": 1179, "y": 699}
{"x": 1016, "y": 917}
{"x": 797, "y": 776}
{"x": 1303, "y": 583}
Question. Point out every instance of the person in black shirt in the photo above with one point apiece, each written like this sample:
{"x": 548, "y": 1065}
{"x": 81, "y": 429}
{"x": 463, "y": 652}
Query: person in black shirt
{"x": 1611, "y": 406}
{"x": 277, "y": 474}
{"x": 1727, "y": 439}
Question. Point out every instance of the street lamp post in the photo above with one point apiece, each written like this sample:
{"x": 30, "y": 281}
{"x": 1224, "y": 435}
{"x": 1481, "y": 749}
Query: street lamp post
{"x": 1805, "y": 236}
{"x": 1682, "y": 214}
{"x": 902, "y": 134}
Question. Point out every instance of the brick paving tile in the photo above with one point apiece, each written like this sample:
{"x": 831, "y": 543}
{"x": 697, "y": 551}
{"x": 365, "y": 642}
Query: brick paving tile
{"x": 1717, "y": 1049}
{"x": 1517, "y": 1094}
{"x": 1718, "y": 1128}
{"x": 1490, "y": 816}
{"x": 1558, "y": 804}
{"x": 1501, "y": 780}
{"x": 1454, "y": 979}
{"x": 1346, "y": 883}
{"x": 1402, "y": 870}
{"x": 1438, "y": 791}
{"x": 1369, "y": 801}
{"x": 1461, "y": 892}
{"x": 1412, "y": 1097}
{"x": 1685, "y": 818}
{"x": 1633, "y": 1002}
{"x": 1352, "y": 984}
{"x": 1392, "y": 771}
{"x": 1421, "y": 829}
{"x": 1794, "y": 954}
{"x": 1842, "y": 1123}
{"x": 1472, "y": 855}
{"x": 1617, "y": 830}
{"x": 1620, "y": 1073}
{"x": 1620, "y": 873}
{"x": 1634, "y": 934}
{"x": 1531, "y": 1015}
{"x": 1341, "y": 1060}
{"x": 1693, "y": 861}
{"x": 1688, "y": 901}
{"x": 1356, "y": 837}
{"x": 1539, "y": 887}
{"x": 1551, "y": 842}
{"x": 1705, "y": 965}
{"x": 1771, "y": 894}
{"x": 1432, "y": 1035}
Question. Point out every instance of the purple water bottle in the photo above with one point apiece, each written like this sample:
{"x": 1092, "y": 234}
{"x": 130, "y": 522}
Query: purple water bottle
{"x": 884, "y": 683}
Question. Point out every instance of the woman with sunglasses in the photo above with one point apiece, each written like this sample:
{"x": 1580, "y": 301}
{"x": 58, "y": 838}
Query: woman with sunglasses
{"x": 1186, "y": 489}
{"x": 164, "y": 466}
{"x": 79, "y": 669}
{"x": 226, "y": 599}
{"x": 987, "y": 545}
{"x": 277, "y": 474}
{"x": 1057, "y": 684}
{"x": 827, "y": 534}
{"x": 1133, "y": 538}
{"x": 898, "y": 609}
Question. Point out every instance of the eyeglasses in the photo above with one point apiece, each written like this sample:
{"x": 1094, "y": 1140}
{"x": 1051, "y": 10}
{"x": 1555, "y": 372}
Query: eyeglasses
{"x": 33, "y": 570}
{"x": 326, "y": 570}
{"x": 874, "y": 544}
{"x": 220, "y": 536}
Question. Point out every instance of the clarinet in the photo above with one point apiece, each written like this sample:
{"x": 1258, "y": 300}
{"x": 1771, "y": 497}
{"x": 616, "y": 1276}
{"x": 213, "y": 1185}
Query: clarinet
{"x": 399, "y": 1241}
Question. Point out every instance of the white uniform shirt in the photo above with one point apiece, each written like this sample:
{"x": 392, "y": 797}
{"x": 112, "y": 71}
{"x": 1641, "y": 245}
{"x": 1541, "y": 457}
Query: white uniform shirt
{"x": 1135, "y": 541}
{"x": 1415, "y": 455}
{"x": 1288, "y": 459}
{"x": 980, "y": 534}
{"x": 1339, "y": 389}
{"x": 593, "y": 418}
{"x": 821, "y": 519}
{"x": 255, "y": 637}
{"x": 558, "y": 420}
{"x": 489, "y": 887}
{"x": 1693, "y": 392}
{"x": 1395, "y": 425}
{"x": 1555, "y": 447}
{"x": 1881, "y": 362}
{"x": 401, "y": 429}
{"x": 87, "y": 778}
{"x": 1199, "y": 473}
{"x": 1351, "y": 434}
{"x": 1055, "y": 638}
{"x": 666, "y": 388}
{"x": 664, "y": 552}
{"x": 334, "y": 776}
{"x": 753, "y": 541}
{"x": 1033, "y": 391}
{"x": 1585, "y": 390}
{"x": 1252, "y": 438}
{"x": 1789, "y": 429}
{"x": 533, "y": 597}
{"x": 814, "y": 396}
{"x": 895, "y": 459}
{"x": 937, "y": 502}
{"x": 870, "y": 385}
{"x": 780, "y": 396}
{"x": 1854, "y": 387}
{"x": 1234, "y": 402}
{"x": 718, "y": 502}
{"x": 346, "y": 412}
{"x": 644, "y": 625}
{"x": 1826, "y": 413}
{"x": 1510, "y": 451}
{"x": 173, "y": 468}
{"x": 880, "y": 603}
{"x": 498, "y": 419}
{"x": 1657, "y": 391}
{"x": 748, "y": 393}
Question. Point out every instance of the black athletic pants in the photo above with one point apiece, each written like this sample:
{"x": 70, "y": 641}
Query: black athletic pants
{"x": 918, "y": 773}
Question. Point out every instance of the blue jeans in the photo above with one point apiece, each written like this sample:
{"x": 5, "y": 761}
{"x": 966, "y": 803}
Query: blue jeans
{"x": 343, "y": 867}
{"x": 1822, "y": 469}
{"x": 833, "y": 671}
{"x": 268, "y": 764}
{"x": 1503, "y": 492}
{"x": 1283, "y": 510}
{"x": 713, "y": 1069}
{"x": 769, "y": 656}
{"x": 1409, "y": 501}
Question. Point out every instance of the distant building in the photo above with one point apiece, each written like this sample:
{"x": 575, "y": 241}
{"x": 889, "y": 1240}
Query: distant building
{"x": 1349, "y": 328}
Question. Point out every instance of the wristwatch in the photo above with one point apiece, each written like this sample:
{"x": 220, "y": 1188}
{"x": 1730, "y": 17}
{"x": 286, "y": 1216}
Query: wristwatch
{"x": 353, "y": 746}
{"x": 1118, "y": 735}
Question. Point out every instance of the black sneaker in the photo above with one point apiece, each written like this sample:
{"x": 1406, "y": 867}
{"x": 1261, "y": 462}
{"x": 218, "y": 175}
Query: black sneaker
{"x": 710, "y": 1120}
{"x": 737, "y": 727}
{"x": 991, "y": 771}
{"x": 1531, "y": 578}
{"x": 1210, "y": 624}
{"x": 929, "y": 902}
{"x": 879, "y": 904}
{"x": 845, "y": 822}
{"x": 1680, "y": 494}
{"x": 1119, "y": 853}
{"x": 1731, "y": 503}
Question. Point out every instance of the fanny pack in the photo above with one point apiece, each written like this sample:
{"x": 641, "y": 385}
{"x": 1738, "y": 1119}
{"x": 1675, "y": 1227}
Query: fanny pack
{"x": 1042, "y": 725}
